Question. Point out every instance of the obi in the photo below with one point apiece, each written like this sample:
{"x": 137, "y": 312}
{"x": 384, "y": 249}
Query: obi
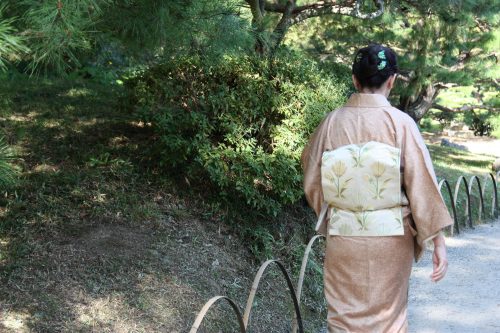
{"x": 362, "y": 189}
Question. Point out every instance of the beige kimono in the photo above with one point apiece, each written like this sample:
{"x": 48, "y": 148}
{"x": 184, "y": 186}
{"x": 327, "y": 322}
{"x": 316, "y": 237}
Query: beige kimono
{"x": 366, "y": 278}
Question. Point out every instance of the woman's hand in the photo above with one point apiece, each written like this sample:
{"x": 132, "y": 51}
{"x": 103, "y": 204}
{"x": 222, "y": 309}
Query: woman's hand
{"x": 439, "y": 259}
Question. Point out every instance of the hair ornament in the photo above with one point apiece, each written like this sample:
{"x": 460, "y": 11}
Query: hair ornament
{"x": 383, "y": 63}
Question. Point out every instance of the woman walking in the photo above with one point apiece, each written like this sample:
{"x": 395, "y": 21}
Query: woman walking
{"x": 369, "y": 177}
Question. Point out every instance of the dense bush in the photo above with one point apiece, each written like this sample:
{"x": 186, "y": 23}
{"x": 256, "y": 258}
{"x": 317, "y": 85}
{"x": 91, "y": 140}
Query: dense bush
{"x": 238, "y": 124}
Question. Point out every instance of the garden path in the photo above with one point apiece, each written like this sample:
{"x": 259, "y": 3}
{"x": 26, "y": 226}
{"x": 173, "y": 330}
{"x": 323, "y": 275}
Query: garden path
{"x": 468, "y": 299}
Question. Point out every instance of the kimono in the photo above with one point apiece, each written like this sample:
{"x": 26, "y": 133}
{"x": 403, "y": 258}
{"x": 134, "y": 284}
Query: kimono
{"x": 366, "y": 273}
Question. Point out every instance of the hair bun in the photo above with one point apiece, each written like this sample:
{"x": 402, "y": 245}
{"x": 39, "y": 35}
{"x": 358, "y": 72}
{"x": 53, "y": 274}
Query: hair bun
{"x": 374, "y": 64}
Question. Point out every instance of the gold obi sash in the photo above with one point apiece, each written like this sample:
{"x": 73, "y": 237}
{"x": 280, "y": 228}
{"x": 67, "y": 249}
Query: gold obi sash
{"x": 362, "y": 187}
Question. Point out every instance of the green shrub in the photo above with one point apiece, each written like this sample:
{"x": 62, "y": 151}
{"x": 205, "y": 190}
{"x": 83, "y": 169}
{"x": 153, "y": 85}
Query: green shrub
{"x": 495, "y": 122}
{"x": 237, "y": 125}
{"x": 480, "y": 121}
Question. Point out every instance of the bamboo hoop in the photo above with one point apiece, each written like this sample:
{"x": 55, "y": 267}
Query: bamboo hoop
{"x": 305, "y": 260}
{"x": 481, "y": 202}
{"x": 255, "y": 286}
{"x": 453, "y": 207}
{"x": 203, "y": 312}
{"x": 455, "y": 197}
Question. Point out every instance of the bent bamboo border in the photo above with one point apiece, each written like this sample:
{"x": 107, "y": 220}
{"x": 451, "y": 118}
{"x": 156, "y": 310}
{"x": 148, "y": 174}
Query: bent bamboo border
{"x": 455, "y": 198}
{"x": 203, "y": 312}
{"x": 481, "y": 191}
{"x": 243, "y": 320}
{"x": 303, "y": 267}
{"x": 494, "y": 197}
{"x": 255, "y": 286}
{"x": 481, "y": 201}
{"x": 296, "y": 296}
{"x": 456, "y": 227}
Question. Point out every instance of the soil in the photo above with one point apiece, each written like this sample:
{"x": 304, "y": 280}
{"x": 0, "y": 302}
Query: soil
{"x": 115, "y": 278}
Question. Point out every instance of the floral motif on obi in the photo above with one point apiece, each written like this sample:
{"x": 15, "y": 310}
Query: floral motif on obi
{"x": 362, "y": 186}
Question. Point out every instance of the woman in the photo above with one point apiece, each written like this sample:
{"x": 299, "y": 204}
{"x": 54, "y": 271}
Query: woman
{"x": 369, "y": 177}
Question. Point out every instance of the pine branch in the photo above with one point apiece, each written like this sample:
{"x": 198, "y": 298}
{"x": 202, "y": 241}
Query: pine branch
{"x": 60, "y": 32}
{"x": 405, "y": 76}
{"x": 442, "y": 85}
{"x": 320, "y": 8}
{"x": 464, "y": 108}
{"x": 492, "y": 81}
{"x": 292, "y": 14}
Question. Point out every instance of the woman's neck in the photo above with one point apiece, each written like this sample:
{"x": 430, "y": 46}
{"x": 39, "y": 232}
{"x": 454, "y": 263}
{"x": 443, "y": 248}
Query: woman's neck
{"x": 381, "y": 91}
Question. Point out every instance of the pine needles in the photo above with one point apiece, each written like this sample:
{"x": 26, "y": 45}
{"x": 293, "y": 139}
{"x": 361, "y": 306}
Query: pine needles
{"x": 11, "y": 44}
{"x": 59, "y": 32}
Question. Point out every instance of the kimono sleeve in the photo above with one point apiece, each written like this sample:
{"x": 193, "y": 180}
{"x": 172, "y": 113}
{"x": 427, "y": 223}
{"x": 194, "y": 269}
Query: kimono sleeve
{"x": 428, "y": 210}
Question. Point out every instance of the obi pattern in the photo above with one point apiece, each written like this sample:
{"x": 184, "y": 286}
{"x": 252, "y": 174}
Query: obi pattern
{"x": 362, "y": 187}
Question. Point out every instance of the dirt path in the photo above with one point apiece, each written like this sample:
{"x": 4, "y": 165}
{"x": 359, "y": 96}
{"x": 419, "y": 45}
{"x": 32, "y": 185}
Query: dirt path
{"x": 468, "y": 299}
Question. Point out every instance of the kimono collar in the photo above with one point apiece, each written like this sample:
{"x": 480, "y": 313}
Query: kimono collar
{"x": 367, "y": 100}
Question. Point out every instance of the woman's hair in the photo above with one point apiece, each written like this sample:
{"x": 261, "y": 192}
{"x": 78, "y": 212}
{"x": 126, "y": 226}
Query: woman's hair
{"x": 374, "y": 64}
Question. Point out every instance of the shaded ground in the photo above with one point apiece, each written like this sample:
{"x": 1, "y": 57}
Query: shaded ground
{"x": 96, "y": 238}
{"x": 468, "y": 299}
{"x": 112, "y": 278}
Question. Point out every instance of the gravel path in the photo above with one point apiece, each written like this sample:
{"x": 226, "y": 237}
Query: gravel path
{"x": 476, "y": 145}
{"x": 468, "y": 298}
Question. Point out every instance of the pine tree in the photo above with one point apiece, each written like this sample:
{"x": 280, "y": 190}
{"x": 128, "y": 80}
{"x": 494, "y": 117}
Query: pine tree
{"x": 440, "y": 44}
{"x": 61, "y": 34}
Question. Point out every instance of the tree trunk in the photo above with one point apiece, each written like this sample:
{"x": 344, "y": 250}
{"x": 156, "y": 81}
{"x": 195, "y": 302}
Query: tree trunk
{"x": 417, "y": 106}
{"x": 256, "y": 6}
{"x": 282, "y": 27}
